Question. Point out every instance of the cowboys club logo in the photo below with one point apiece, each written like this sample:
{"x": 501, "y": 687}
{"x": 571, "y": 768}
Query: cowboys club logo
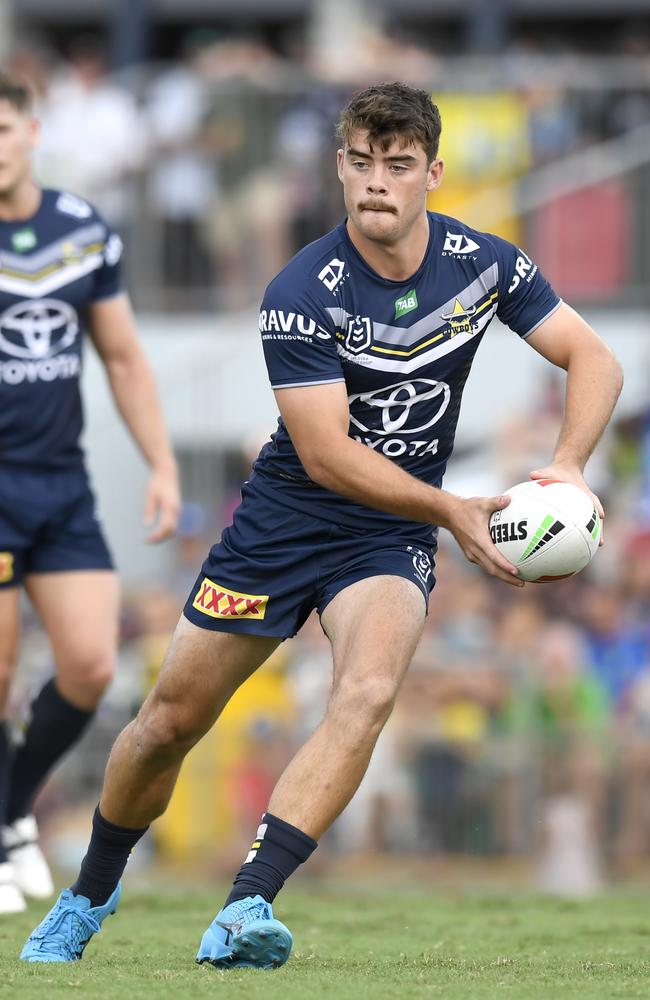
{"x": 409, "y": 407}
{"x": 38, "y": 330}
{"x": 359, "y": 334}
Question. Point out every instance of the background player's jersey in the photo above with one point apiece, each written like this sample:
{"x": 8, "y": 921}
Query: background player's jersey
{"x": 52, "y": 266}
{"x": 403, "y": 348}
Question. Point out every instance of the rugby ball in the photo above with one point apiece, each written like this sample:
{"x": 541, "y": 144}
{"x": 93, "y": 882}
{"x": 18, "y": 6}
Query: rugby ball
{"x": 550, "y": 530}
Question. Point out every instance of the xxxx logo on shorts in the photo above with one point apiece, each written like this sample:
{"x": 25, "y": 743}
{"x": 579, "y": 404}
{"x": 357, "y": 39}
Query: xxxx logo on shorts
{"x": 6, "y": 566}
{"x": 214, "y": 600}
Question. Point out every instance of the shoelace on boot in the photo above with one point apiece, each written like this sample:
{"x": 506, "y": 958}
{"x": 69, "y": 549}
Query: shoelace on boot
{"x": 59, "y": 932}
{"x": 244, "y": 914}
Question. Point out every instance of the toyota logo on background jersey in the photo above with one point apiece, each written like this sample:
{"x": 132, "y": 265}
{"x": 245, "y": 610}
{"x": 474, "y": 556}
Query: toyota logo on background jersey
{"x": 35, "y": 330}
{"x": 405, "y": 407}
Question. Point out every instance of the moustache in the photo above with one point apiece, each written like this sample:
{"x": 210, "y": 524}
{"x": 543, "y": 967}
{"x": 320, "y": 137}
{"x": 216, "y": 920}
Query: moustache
{"x": 376, "y": 206}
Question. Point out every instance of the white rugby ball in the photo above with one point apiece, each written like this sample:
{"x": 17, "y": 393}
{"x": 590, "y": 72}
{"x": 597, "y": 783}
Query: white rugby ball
{"x": 549, "y": 530}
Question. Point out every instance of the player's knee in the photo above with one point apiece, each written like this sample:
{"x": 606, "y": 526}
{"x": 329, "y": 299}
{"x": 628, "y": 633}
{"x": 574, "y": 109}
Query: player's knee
{"x": 379, "y": 695}
{"x": 164, "y": 729}
{"x": 366, "y": 703}
{"x": 89, "y": 674}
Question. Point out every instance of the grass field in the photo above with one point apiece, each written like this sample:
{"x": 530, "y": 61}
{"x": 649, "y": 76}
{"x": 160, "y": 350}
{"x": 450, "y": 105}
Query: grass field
{"x": 359, "y": 944}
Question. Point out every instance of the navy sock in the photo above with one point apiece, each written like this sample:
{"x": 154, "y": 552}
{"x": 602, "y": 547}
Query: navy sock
{"x": 5, "y": 764}
{"x": 55, "y": 725}
{"x": 277, "y": 851}
{"x": 105, "y": 860}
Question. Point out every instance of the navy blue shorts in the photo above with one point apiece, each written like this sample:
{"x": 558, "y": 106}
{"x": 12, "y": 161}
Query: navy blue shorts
{"x": 47, "y": 524}
{"x": 274, "y": 565}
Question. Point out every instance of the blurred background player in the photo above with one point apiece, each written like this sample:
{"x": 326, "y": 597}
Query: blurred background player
{"x": 59, "y": 274}
{"x": 369, "y": 334}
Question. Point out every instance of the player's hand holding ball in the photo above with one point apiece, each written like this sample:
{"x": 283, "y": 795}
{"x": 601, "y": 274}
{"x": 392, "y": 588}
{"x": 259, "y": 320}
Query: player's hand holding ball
{"x": 467, "y": 522}
{"x": 550, "y": 529}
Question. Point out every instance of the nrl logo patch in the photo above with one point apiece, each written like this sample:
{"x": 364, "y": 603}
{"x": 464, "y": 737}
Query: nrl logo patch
{"x": 359, "y": 334}
{"x": 406, "y": 304}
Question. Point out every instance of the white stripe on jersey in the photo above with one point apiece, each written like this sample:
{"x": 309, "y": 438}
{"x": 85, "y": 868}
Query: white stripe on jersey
{"x": 297, "y": 385}
{"x": 383, "y": 364}
{"x": 31, "y": 263}
{"x": 30, "y": 289}
{"x": 406, "y": 336}
{"x": 542, "y": 320}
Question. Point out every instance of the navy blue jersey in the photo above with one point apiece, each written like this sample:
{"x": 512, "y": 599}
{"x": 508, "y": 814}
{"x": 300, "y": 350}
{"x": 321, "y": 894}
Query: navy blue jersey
{"x": 403, "y": 348}
{"x": 52, "y": 266}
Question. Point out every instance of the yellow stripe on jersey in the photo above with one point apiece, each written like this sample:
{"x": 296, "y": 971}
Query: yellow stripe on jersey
{"x": 414, "y": 350}
{"x": 433, "y": 340}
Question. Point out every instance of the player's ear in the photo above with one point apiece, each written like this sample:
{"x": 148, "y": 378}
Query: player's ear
{"x": 434, "y": 174}
{"x": 340, "y": 157}
{"x": 34, "y": 130}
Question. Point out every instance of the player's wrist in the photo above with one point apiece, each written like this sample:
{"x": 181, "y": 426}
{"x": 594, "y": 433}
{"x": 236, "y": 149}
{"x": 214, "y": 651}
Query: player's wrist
{"x": 569, "y": 464}
{"x": 165, "y": 465}
{"x": 447, "y": 506}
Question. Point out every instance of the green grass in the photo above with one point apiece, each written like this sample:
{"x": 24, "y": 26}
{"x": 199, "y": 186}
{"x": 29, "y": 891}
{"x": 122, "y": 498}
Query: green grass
{"x": 356, "y": 944}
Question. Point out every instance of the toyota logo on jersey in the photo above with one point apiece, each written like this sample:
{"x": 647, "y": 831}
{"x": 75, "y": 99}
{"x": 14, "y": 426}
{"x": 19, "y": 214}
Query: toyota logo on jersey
{"x": 404, "y": 408}
{"x": 37, "y": 330}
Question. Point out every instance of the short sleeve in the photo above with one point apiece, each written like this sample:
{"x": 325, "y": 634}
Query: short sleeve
{"x": 526, "y": 299}
{"x": 108, "y": 275}
{"x": 298, "y": 337}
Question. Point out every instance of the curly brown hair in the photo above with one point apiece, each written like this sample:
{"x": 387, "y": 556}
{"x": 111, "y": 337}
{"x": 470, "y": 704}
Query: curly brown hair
{"x": 388, "y": 110}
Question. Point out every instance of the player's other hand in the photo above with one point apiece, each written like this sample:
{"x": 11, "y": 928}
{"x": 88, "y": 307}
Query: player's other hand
{"x": 468, "y": 523}
{"x": 568, "y": 473}
{"x": 162, "y": 503}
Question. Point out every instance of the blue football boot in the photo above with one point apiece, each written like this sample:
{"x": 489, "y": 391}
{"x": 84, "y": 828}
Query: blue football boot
{"x": 245, "y": 934}
{"x": 66, "y": 930}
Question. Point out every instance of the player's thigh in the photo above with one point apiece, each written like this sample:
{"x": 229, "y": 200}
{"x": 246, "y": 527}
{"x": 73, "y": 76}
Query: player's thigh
{"x": 9, "y": 632}
{"x": 374, "y": 626}
{"x": 79, "y": 610}
{"x": 202, "y": 670}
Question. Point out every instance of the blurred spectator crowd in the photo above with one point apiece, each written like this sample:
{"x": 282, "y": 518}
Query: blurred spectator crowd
{"x": 219, "y": 166}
